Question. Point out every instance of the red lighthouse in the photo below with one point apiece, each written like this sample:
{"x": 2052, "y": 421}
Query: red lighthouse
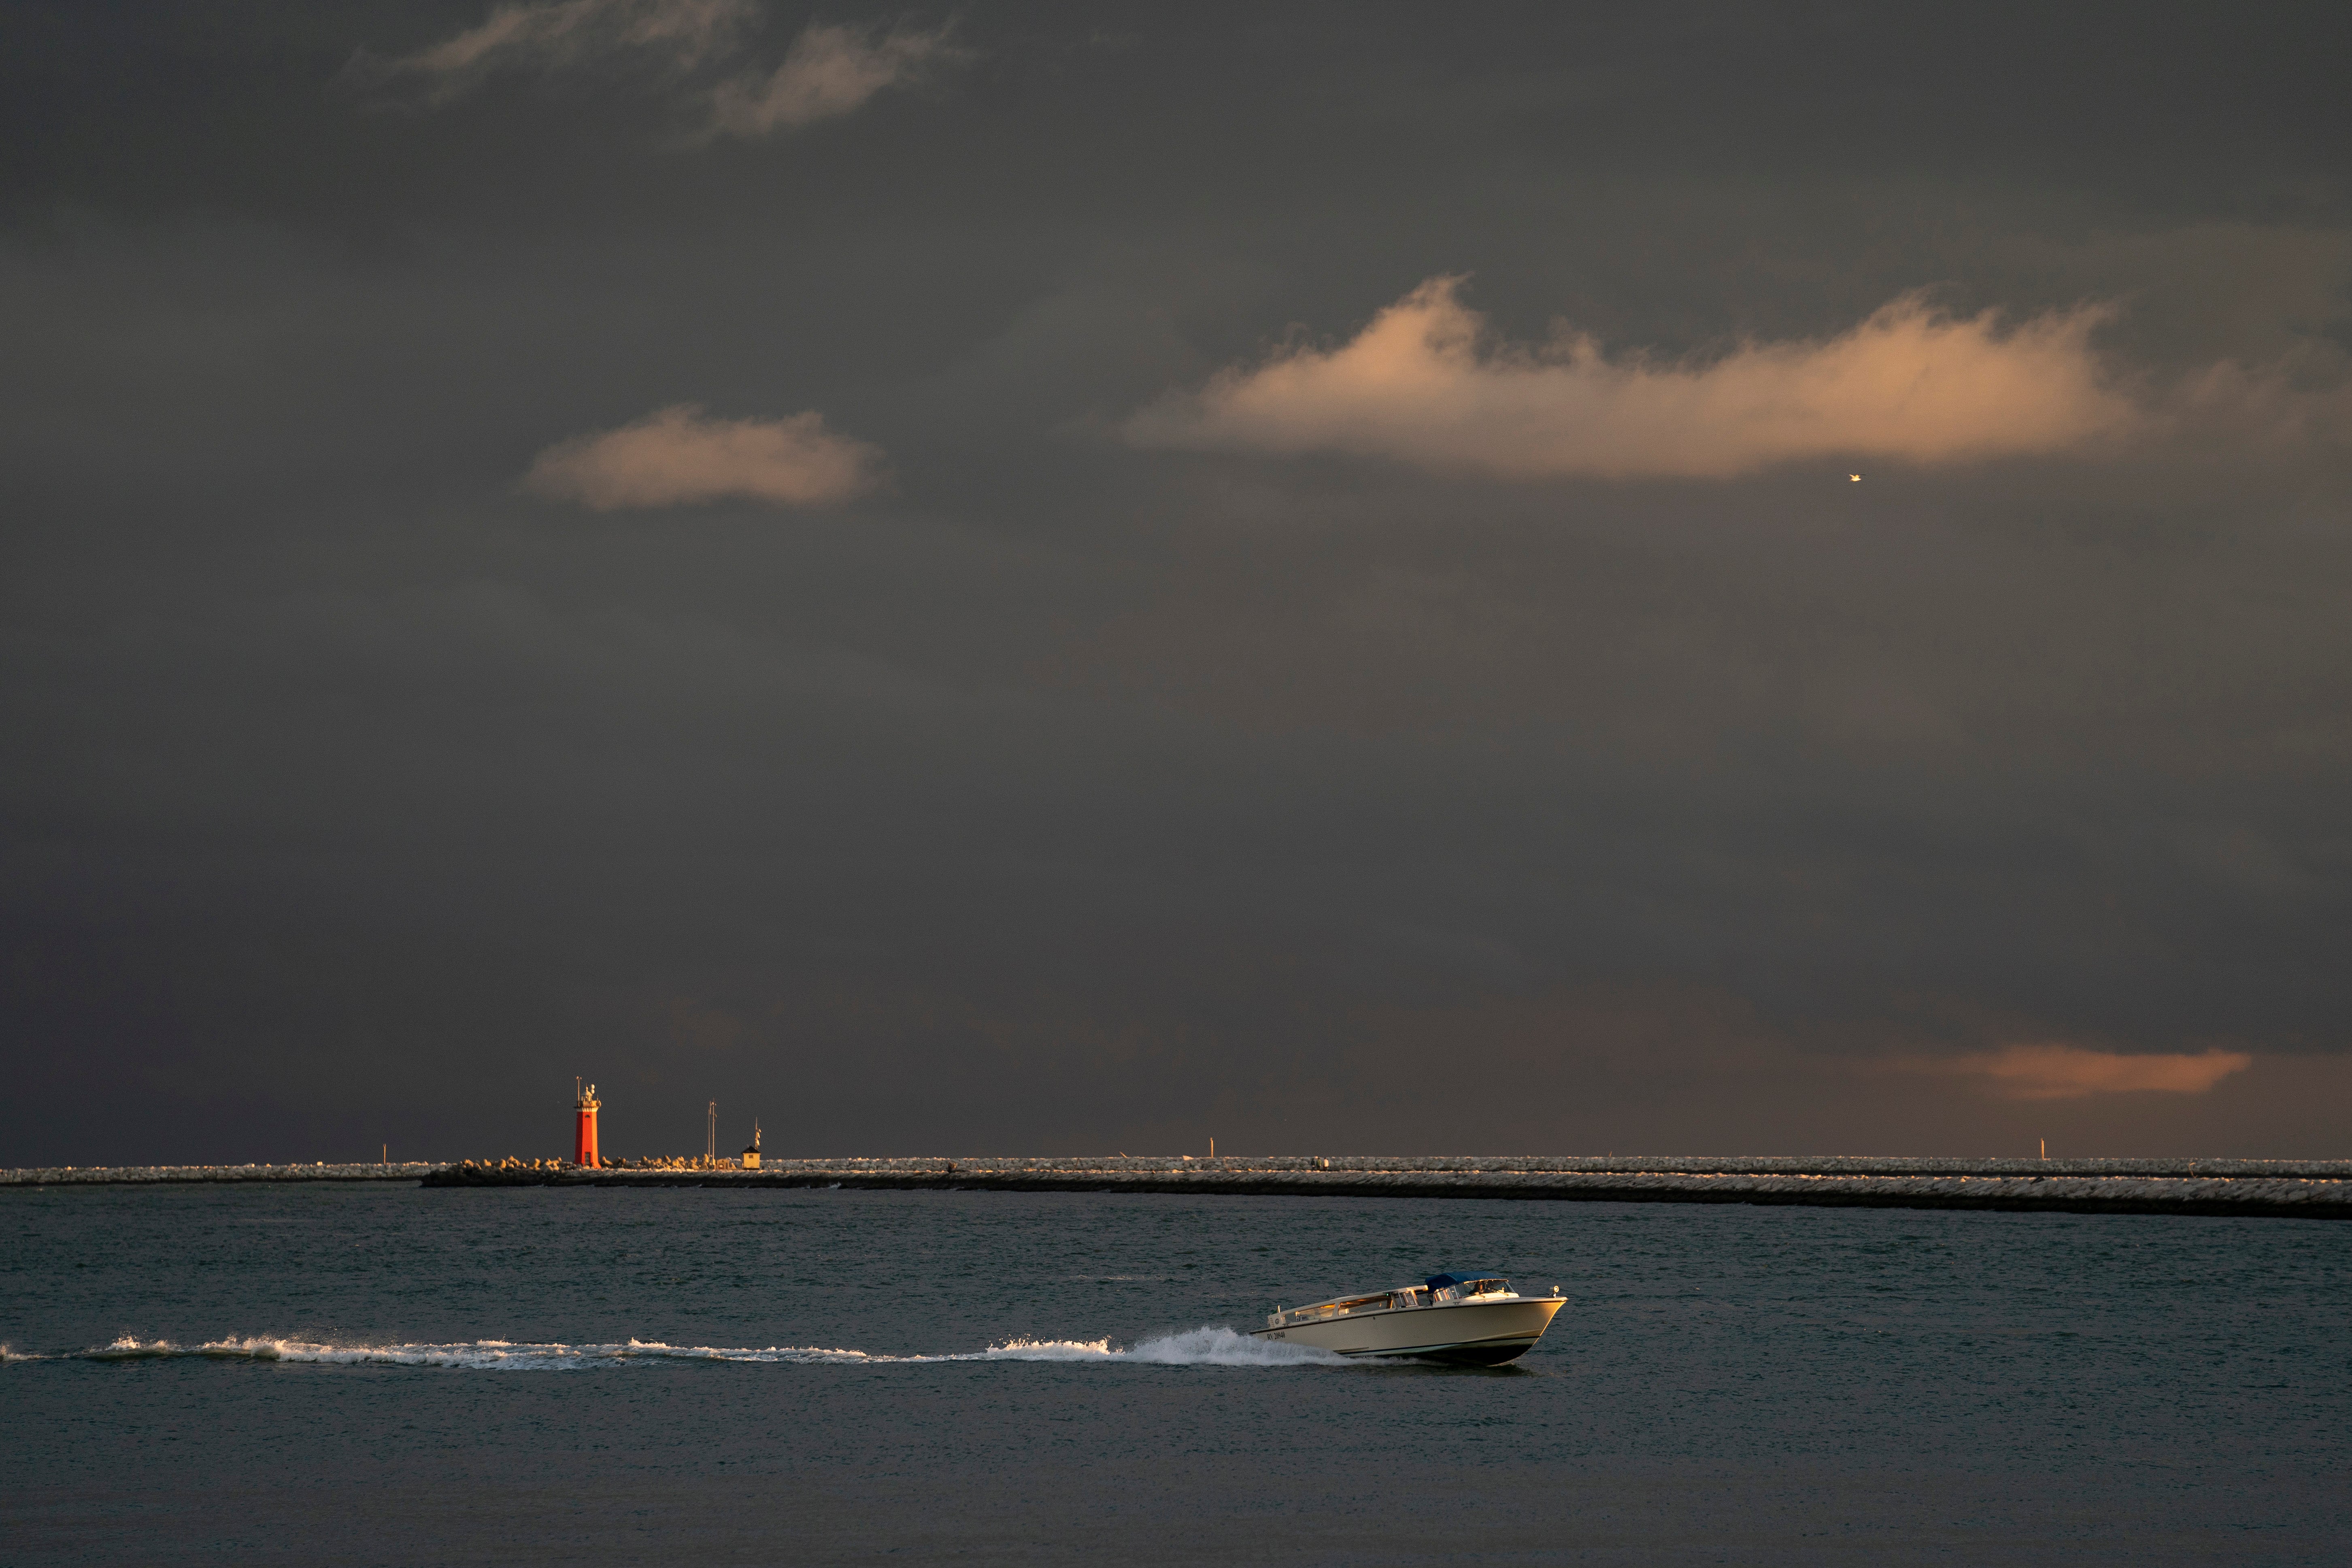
{"x": 584, "y": 1142}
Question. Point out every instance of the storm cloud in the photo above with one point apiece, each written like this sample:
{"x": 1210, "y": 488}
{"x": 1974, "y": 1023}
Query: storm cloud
{"x": 989, "y": 591}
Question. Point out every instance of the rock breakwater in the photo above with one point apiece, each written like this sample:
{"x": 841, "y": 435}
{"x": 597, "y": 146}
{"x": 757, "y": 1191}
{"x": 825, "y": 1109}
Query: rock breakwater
{"x": 2313, "y": 1189}
{"x": 2316, "y": 1189}
{"x": 164, "y": 1175}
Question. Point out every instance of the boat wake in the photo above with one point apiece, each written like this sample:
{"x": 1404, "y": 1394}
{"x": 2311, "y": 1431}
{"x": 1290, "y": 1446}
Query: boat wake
{"x": 1194, "y": 1347}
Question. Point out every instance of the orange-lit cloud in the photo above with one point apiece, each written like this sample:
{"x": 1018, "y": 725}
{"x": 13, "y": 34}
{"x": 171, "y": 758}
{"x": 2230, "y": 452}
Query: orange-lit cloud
{"x": 2071, "y": 1072}
{"x": 1426, "y": 383}
{"x": 677, "y": 457}
{"x": 830, "y": 71}
{"x": 680, "y": 34}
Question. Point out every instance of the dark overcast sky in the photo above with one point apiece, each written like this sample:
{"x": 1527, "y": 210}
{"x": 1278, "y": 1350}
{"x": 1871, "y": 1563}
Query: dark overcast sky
{"x": 1134, "y": 704}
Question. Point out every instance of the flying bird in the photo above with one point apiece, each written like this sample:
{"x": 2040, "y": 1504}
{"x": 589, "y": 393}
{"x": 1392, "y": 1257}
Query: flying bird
{"x": 1855, "y": 478}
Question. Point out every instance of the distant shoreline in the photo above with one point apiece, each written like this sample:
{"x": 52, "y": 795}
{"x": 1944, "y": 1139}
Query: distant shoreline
{"x": 2302, "y": 1189}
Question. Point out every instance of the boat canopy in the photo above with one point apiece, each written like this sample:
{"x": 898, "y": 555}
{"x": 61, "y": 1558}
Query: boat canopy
{"x": 1462, "y": 1277}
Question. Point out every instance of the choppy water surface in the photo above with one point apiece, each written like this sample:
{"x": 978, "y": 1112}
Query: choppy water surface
{"x": 389, "y": 1374}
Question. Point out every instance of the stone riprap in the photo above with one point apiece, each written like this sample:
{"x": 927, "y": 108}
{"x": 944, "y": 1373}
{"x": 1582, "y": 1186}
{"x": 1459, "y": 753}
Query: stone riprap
{"x": 2318, "y": 1189}
{"x": 2301, "y": 1188}
{"x": 136, "y": 1175}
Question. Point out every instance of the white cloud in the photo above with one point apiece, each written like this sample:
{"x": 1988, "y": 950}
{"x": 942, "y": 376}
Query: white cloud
{"x": 677, "y": 34}
{"x": 1426, "y": 384}
{"x": 830, "y": 71}
{"x": 677, "y": 456}
{"x": 2071, "y": 1072}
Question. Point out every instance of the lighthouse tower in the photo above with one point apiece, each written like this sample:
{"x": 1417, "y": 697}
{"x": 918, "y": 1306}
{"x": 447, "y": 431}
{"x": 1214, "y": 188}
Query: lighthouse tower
{"x": 584, "y": 1142}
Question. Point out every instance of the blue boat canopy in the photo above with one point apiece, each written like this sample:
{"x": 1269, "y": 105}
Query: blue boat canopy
{"x": 1460, "y": 1277}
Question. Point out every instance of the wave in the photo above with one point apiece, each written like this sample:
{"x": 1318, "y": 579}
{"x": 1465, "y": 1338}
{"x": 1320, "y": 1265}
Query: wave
{"x": 1194, "y": 1347}
{"x": 489, "y": 1355}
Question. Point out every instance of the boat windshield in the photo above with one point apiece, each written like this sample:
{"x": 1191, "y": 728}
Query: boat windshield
{"x": 1439, "y": 1290}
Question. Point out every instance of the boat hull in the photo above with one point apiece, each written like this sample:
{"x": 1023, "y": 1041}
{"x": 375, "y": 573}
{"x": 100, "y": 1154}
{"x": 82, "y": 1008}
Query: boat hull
{"x": 1465, "y": 1334}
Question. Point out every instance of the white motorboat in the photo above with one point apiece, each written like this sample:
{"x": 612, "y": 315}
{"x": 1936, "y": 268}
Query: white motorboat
{"x": 1473, "y": 1319}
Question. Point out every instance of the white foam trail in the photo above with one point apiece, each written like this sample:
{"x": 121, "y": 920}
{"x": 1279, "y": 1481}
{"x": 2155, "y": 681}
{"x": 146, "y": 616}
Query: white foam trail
{"x": 480, "y": 1355}
{"x": 1194, "y": 1347}
{"x": 128, "y": 1349}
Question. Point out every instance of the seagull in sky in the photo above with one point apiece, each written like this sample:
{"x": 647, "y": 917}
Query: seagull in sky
{"x": 1855, "y": 478}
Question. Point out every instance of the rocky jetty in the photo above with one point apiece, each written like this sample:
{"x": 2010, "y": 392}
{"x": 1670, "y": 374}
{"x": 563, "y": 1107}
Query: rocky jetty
{"x": 161, "y": 1175}
{"x": 2316, "y": 1189}
{"x": 506, "y": 1173}
{"x": 2312, "y": 1189}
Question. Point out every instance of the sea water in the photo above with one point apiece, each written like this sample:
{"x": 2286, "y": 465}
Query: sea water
{"x": 391, "y": 1375}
